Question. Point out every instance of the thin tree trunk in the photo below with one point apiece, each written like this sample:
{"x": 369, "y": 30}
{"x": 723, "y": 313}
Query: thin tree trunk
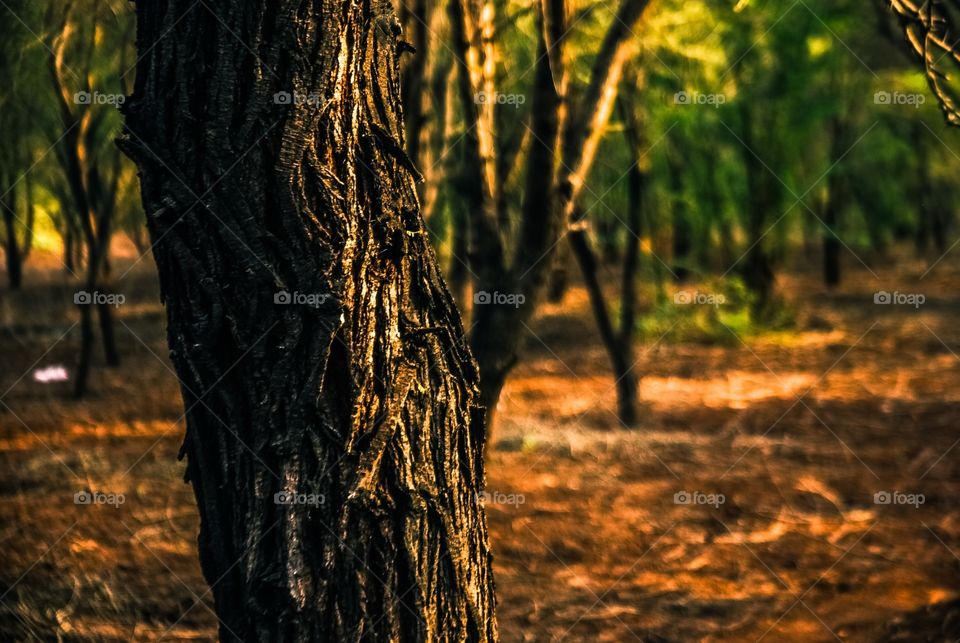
{"x": 12, "y": 245}
{"x": 93, "y": 201}
{"x": 831, "y": 248}
{"x": 27, "y": 244}
{"x": 637, "y": 180}
{"x": 622, "y": 363}
{"x": 69, "y": 249}
{"x": 459, "y": 270}
{"x": 924, "y": 192}
{"x": 835, "y": 204}
{"x": 433, "y": 164}
{"x": 559, "y": 279}
{"x": 619, "y": 342}
{"x": 758, "y": 271}
{"x": 682, "y": 234}
{"x": 359, "y": 398}
{"x": 93, "y": 289}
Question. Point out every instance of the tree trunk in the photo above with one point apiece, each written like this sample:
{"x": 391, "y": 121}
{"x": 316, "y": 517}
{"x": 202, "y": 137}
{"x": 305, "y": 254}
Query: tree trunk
{"x": 12, "y": 246}
{"x": 559, "y": 279}
{"x": 835, "y": 204}
{"x": 334, "y": 435}
{"x": 521, "y": 269}
{"x": 94, "y": 290}
{"x": 682, "y": 234}
{"x": 831, "y": 247}
{"x": 758, "y": 271}
{"x": 91, "y": 193}
{"x": 31, "y": 208}
{"x": 69, "y": 249}
{"x": 924, "y": 192}
{"x": 620, "y": 359}
{"x": 619, "y": 342}
{"x": 637, "y": 182}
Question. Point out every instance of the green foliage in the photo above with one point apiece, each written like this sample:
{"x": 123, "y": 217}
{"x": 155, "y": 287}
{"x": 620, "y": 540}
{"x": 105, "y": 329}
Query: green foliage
{"x": 715, "y": 311}
{"x": 790, "y": 107}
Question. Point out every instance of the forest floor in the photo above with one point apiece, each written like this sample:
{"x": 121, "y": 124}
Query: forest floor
{"x": 798, "y": 431}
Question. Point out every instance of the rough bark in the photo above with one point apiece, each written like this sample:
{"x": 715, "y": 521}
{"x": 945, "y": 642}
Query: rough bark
{"x": 367, "y": 398}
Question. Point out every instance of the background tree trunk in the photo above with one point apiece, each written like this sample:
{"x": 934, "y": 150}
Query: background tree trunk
{"x": 835, "y": 205}
{"x": 320, "y": 355}
{"x": 11, "y": 246}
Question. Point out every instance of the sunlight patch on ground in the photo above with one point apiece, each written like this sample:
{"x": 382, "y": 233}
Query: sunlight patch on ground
{"x": 735, "y": 390}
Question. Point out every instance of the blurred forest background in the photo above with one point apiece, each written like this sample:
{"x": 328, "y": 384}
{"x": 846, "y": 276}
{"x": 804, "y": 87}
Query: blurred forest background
{"x": 725, "y": 386}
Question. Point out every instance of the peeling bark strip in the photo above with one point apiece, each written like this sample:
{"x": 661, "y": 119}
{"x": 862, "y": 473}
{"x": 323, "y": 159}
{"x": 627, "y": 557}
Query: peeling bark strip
{"x": 366, "y": 396}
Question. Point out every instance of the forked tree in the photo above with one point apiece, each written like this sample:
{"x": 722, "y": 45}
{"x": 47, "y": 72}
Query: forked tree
{"x": 565, "y": 127}
{"x": 334, "y": 435}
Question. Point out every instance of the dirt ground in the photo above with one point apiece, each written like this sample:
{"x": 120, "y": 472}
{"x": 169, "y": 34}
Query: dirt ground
{"x": 795, "y": 434}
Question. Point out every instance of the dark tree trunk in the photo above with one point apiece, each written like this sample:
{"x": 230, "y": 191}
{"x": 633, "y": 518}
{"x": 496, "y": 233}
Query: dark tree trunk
{"x": 758, "y": 269}
{"x": 69, "y": 249}
{"x": 94, "y": 288}
{"x": 619, "y": 342}
{"x": 361, "y": 390}
{"x": 620, "y": 355}
{"x": 682, "y": 232}
{"x": 939, "y": 227}
{"x": 27, "y": 244}
{"x": 923, "y": 191}
{"x": 12, "y": 245}
{"x": 637, "y": 179}
{"x": 105, "y": 319}
{"x": 98, "y": 242}
{"x": 831, "y": 248}
{"x": 459, "y": 270}
{"x": 835, "y": 204}
{"x": 91, "y": 188}
{"x": 416, "y": 17}
{"x": 559, "y": 279}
